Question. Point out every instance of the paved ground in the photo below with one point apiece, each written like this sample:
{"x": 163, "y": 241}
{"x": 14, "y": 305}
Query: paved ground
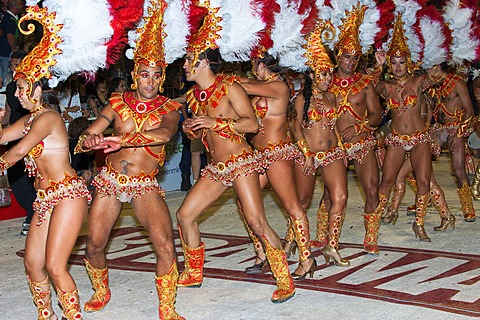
{"x": 409, "y": 280}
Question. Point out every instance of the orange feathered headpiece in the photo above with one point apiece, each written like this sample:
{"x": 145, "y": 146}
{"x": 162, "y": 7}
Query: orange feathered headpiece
{"x": 149, "y": 49}
{"x": 348, "y": 40}
{"x": 206, "y": 37}
{"x": 399, "y": 47}
{"x": 36, "y": 64}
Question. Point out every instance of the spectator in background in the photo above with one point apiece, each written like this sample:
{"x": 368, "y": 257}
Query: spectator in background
{"x": 69, "y": 98}
{"x": 20, "y": 183}
{"x": 97, "y": 97}
{"x": 117, "y": 84}
{"x": 8, "y": 42}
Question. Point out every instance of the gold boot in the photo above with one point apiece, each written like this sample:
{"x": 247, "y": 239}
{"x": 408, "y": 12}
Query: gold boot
{"x": 476, "y": 183}
{"x": 371, "y": 223}
{"x": 99, "y": 280}
{"x": 42, "y": 297}
{"x": 437, "y": 196}
{"x": 322, "y": 227}
{"x": 192, "y": 276}
{"x": 466, "y": 202}
{"x": 290, "y": 244}
{"x": 334, "y": 231}
{"x": 392, "y": 213}
{"x": 279, "y": 266}
{"x": 413, "y": 183}
{"x": 167, "y": 291}
{"x": 420, "y": 213}
{"x": 70, "y": 304}
{"x": 302, "y": 235}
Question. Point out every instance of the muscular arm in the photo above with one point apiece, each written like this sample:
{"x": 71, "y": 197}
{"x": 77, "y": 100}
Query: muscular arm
{"x": 373, "y": 106}
{"x": 462, "y": 91}
{"x": 247, "y": 122}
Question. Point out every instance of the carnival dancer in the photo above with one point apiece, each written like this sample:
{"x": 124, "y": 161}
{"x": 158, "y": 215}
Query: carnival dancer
{"x": 359, "y": 113}
{"x": 222, "y": 115}
{"x": 316, "y": 133}
{"x": 453, "y": 113}
{"x": 144, "y": 122}
{"x": 277, "y": 153}
{"x": 61, "y": 204}
{"x": 409, "y": 129}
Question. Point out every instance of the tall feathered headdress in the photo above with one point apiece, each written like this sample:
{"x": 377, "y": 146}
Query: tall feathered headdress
{"x": 317, "y": 57}
{"x": 268, "y": 9}
{"x": 348, "y": 40}
{"x": 398, "y": 45}
{"x": 149, "y": 39}
{"x": 460, "y": 18}
{"x": 36, "y": 65}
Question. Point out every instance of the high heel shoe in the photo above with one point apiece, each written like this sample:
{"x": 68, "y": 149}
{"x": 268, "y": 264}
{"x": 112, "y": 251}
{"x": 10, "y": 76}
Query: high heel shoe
{"x": 390, "y": 216}
{"x": 257, "y": 268}
{"x": 446, "y": 222}
{"x": 335, "y": 255}
{"x": 311, "y": 271}
{"x": 290, "y": 248}
{"x": 420, "y": 232}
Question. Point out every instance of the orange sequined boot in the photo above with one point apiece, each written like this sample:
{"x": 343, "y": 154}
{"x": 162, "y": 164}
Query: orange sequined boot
{"x": 167, "y": 291}
{"x": 371, "y": 222}
{"x": 192, "y": 276}
{"x": 99, "y": 279}
{"x": 279, "y": 266}
{"x": 334, "y": 231}
{"x": 42, "y": 298}
{"x": 321, "y": 239}
{"x": 420, "y": 213}
{"x": 302, "y": 235}
{"x": 466, "y": 202}
{"x": 437, "y": 196}
{"x": 70, "y": 304}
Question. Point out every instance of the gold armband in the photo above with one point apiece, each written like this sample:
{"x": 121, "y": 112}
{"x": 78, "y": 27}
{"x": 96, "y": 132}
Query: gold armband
{"x": 305, "y": 148}
{"x": 464, "y": 125}
{"x": 224, "y": 123}
{"x": 139, "y": 139}
{"x": 375, "y": 72}
{"x": 4, "y": 164}
{"x": 79, "y": 148}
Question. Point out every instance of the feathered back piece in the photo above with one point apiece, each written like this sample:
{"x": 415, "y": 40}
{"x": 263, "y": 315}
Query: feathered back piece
{"x": 295, "y": 19}
{"x": 398, "y": 45}
{"x": 268, "y": 9}
{"x": 149, "y": 48}
{"x": 176, "y": 18}
{"x": 436, "y": 36}
{"x": 36, "y": 65}
{"x": 348, "y": 40}
{"x": 208, "y": 34}
{"x": 460, "y": 17}
{"x": 241, "y": 26}
{"x": 317, "y": 57}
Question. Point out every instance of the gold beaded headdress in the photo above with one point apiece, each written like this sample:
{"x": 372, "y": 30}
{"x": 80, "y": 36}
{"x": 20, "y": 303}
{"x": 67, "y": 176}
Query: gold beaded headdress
{"x": 149, "y": 49}
{"x": 36, "y": 64}
{"x": 206, "y": 37}
{"x": 317, "y": 57}
{"x": 348, "y": 40}
{"x": 398, "y": 45}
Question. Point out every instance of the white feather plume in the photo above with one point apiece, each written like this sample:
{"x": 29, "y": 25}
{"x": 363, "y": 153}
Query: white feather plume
{"x": 459, "y": 22}
{"x": 287, "y": 38}
{"x": 31, "y": 3}
{"x": 241, "y": 25}
{"x": 133, "y": 34}
{"x": 86, "y": 30}
{"x": 176, "y": 20}
{"x": 369, "y": 28}
{"x": 434, "y": 53}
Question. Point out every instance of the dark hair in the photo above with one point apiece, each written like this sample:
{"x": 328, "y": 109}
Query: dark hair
{"x": 76, "y": 127}
{"x": 112, "y": 86}
{"x": 307, "y": 94}
{"x": 271, "y": 63}
{"x": 48, "y": 94}
{"x": 19, "y": 54}
{"x": 214, "y": 58}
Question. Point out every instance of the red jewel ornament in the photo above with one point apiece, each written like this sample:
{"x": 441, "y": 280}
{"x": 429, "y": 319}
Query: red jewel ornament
{"x": 141, "y": 107}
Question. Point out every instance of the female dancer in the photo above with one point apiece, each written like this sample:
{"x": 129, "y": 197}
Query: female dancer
{"x": 405, "y": 99}
{"x": 61, "y": 204}
{"x": 316, "y": 134}
{"x": 276, "y": 150}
